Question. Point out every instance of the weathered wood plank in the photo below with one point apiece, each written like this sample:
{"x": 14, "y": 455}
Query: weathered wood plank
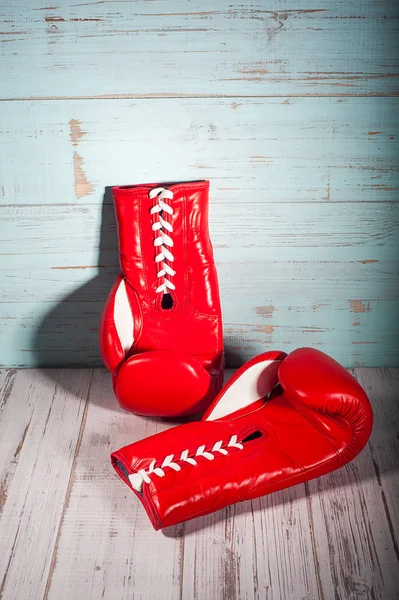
{"x": 260, "y": 550}
{"x": 351, "y": 538}
{"x": 77, "y": 238}
{"x": 209, "y": 557}
{"x": 198, "y": 48}
{"x": 345, "y": 301}
{"x": 40, "y": 425}
{"x": 7, "y": 379}
{"x": 72, "y": 235}
{"x": 335, "y": 537}
{"x": 353, "y": 332}
{"x": 354, "y": 510}
{"x": 356, "y": 332}
{"x": 253, "y": 150}
{"x": 263, "y": 281}
{"x": 107, "y": 547}
{"x": 382, "y": 386}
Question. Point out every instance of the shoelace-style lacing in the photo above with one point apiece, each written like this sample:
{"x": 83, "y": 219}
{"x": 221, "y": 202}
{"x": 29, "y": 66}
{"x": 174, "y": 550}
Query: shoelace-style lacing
{"x": 163, "y": 240}
{"x": 136, "y": 479}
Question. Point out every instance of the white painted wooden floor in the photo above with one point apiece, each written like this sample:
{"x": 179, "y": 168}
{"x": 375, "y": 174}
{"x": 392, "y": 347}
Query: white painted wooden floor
{"x": 69, "y": 529}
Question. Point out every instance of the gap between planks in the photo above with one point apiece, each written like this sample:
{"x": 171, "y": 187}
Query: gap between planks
{"x": 110, "y": 203}
{"x": 196, "y": 96}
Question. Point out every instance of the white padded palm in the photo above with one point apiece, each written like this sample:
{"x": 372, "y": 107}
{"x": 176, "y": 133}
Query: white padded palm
{"x": 123, "y": 317}
{"x": 255, "y": 383}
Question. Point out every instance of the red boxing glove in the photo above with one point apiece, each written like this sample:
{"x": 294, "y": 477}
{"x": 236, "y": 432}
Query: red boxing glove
{"x": 161, "y": 329}
{"x": 254, "y": 439}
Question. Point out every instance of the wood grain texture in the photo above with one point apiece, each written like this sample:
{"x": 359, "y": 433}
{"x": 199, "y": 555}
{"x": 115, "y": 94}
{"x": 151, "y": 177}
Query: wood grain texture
{"x": 354, "y": 510}
{"x": 40, "y": 423}
{"x": 260, "y": 549}
{"x": 70, "y": 238}
{"x": 254, "y": 150}
{"x": 382, "y": 385}
{"x": 107, "y": 547}
{"x": 70, "y": 529}
{"x": 68, "y": 332}
{"x": 290, "y": 111}
{"x": 144, "y": 48}
{"x": 308, "y": 274}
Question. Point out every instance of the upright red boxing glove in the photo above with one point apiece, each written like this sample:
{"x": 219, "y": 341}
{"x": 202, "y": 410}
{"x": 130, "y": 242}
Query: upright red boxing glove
{"x": 254, "y": 439}
{"x": 161, "y": 329}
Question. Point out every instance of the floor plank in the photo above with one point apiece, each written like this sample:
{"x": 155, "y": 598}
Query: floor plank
{"x": 107, "y": 547}
{"x": 252, "y": 551}
{"x": 348, "y": 553}
{"x": 382, "y": 386}
{"x": 9, "y": 448}
{"x": 70, "y": 529}
{"x": 354, "y": 530}
{"x": 40, "y": 425}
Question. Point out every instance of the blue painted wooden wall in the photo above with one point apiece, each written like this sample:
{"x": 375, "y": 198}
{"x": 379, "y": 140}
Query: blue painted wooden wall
{"x": 290, "y": 109}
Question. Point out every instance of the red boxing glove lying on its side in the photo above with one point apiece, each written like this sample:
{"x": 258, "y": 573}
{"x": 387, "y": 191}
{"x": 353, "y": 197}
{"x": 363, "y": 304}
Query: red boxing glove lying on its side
{"x": 257, "y": 437}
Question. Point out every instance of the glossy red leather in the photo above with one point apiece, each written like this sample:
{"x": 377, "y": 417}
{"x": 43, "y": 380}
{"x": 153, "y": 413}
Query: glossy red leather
{"x": 175, "y": 363}
{"x": 315, "y": 420}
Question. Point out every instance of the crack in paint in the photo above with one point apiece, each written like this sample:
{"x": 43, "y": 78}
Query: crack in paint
{"x": 82, "y": 186}
{"x": 76, "y": 131}
{"x": 21, "y": 443}
{"x": 359, "y": 306}
{"x": 265, "y": 311}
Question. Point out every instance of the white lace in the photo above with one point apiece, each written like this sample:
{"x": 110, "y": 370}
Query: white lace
{"x": 163, "y": 239}
{"x": 168, "y": 462}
